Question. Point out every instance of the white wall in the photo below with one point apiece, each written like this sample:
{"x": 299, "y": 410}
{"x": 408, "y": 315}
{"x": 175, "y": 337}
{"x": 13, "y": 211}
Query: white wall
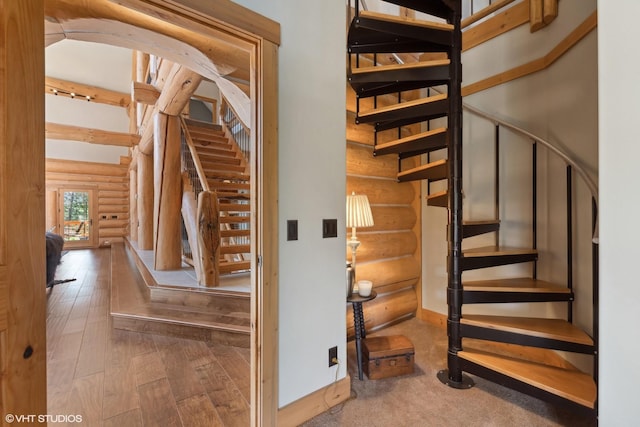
{"x": 312, "y": 170}
{"x": 104, "y": 66}
{"x": 558, "y": 104}
{"x": 619, "y": 109}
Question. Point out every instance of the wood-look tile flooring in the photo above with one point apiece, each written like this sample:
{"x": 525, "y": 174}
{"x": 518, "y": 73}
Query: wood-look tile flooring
{"x": 120, "y": 378}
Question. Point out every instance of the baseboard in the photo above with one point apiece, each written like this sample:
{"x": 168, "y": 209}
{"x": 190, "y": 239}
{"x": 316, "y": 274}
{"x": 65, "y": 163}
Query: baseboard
{"x": 434, "y": 318}
{"x": 315, "y": 403}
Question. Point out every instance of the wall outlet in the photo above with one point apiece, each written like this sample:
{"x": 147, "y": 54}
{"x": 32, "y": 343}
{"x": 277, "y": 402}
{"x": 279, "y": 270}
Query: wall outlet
{"x": 333, "y": 356}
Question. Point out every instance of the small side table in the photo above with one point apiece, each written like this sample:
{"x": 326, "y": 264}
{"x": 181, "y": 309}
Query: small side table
{"x": 358, "y": 323}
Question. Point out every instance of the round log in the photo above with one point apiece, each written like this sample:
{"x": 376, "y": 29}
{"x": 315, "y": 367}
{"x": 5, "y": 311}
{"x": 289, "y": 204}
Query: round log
{"x": 360, "y": 161}
{"x": 391, "y": 218}
{"x": 385, "y": 309}
{"x": 374, "y": 246}
{"x": 384, "y": 273}
{"x": 167, "y": 193}
{"x": 382, "y": 191}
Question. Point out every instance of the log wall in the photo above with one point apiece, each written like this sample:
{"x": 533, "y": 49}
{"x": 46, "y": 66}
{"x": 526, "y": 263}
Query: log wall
{"x": 111, "y": 185}
{"x": 389, "y": 253}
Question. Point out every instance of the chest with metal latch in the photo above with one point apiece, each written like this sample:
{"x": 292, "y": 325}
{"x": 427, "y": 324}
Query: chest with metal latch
{"x": 387, "y": 356}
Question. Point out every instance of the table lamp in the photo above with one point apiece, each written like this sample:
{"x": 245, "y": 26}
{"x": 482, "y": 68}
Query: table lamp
{"x": 358, "y": 215}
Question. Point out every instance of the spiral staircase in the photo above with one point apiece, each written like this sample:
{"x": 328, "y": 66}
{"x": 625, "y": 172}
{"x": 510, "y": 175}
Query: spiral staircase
{"x": 439, "y": 42}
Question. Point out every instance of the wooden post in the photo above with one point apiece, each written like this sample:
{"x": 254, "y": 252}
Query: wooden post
{"x": 23, "y": 350}
{"x": 167, "y": 199}
{"x": 142, "y": 63}
{"x": 550, "y": 11}
{"x": 209, "y": 238}
{"x": 536, "y": 15}
{"x": 133, "y": 205}
{"x": 145, "y": 201}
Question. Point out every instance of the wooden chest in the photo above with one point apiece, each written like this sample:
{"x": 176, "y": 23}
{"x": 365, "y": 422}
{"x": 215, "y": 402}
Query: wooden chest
{"x": 387, "y": 356}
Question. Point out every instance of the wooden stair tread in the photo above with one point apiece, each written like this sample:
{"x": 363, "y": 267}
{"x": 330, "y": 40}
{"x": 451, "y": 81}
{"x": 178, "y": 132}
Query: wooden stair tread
{"x": 235, "y": 207}
{"x": 518, "y": 284}
{"x": 402, "y": 105}
{"x": 556, "y": 329}
{"x": 209, "y": 140}
{"x": 213, "y": 168}
{"x": 232, "y": 176}
{"x": 481, "y": 222}
{"x": 235, "y": 249}
{"x": 432, "y": 171}
{"x": 234, "y": 219}
{"x": 407, "y": 143}
{"x": 396, "y": 67}
{"x": 440, "y": 199}
{"x": 214, "y": 149}
{"x": 235, "y": 233}
{"x": 193, "y": 123}
{"x": 209, "y": 158}
{"x": 406, "y": 21}
{"x": 233, "y": 195}
{"x": 228, "y": 185}
{"x": 573, "y": 385}
{"x": 493, "y": 251}
{"x": 230, "y": 266}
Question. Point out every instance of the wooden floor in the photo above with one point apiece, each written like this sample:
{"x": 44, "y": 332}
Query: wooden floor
{"x": 119, "y": 378}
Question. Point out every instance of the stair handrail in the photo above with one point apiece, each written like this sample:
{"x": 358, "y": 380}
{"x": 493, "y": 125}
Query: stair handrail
{"x": 593, "y": 188}
{"x": 194, "y": 156}
{"x": 226, "y": 102}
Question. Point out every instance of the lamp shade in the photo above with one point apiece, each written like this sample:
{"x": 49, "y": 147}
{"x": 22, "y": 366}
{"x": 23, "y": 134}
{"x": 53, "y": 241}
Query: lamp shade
{"x": 358, "y": 211}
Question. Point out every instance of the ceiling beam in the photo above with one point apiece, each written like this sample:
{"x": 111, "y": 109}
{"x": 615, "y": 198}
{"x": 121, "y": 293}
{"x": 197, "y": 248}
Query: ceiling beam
{"x": 144, "y": 93}
{"x": 93, "y": 136}
{"x": 97, "y": 94}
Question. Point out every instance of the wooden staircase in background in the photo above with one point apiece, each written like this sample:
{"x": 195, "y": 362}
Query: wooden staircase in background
{"x": 227, "y": 174}
{"x": 475, "y": 342}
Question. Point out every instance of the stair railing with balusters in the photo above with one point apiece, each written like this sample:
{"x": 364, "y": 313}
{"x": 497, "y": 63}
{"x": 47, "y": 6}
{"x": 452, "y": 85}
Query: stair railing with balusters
{"x": 239, "y": 134}
{"x": 194, "y": 173}
{"x": 572, "y": 167}
{"x": 457, "y": 262}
